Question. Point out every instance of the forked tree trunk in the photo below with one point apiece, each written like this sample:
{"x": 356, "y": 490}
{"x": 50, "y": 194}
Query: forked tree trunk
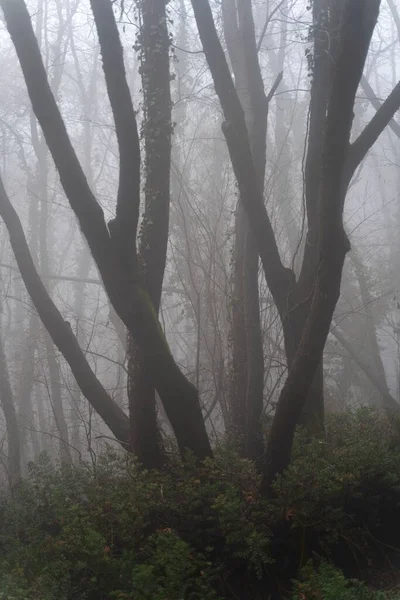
{"x": 359, "y": 20}
{"x": 355, "y": 24}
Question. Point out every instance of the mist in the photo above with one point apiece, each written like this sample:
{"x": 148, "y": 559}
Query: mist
{"x": 200, "y": 227}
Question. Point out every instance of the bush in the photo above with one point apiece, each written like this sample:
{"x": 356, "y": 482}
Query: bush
{"x": 329, "y": 583}
{"x": 345, "y": 491}
{"x": 117, "y": 532}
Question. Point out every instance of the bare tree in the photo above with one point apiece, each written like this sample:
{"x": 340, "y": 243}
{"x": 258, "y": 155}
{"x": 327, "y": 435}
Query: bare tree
{"x": 114, "y": 247}
{"x": 331, "y": 164}
{"x": 131, "y": 262}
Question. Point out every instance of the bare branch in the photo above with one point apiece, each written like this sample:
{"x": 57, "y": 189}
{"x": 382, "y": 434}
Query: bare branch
{"x": 387, "y": 398}
{"x": 382, "y": 118}
{"x": 275, "y": 86}
{"x": 376, "y": 103}
{"x": 123, "y": 228}
{"x": 267, "y": 22}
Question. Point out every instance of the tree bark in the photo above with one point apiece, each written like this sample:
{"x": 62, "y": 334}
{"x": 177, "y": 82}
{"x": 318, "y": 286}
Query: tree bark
{"x": 154, "y": 43}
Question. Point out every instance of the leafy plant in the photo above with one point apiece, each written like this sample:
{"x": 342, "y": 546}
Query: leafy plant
{"x": 329, "y": 583}
{"x": 117, "y": 532}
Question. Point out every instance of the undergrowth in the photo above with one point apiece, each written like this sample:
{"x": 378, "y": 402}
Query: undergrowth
{"x": 116, "y": 532}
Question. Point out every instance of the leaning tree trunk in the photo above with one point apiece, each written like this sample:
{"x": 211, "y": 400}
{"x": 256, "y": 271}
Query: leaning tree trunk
{"x": 59, "y": 330}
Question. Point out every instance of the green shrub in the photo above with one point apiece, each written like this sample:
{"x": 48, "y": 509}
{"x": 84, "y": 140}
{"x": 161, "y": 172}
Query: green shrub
{"x": 341, "y": 489}
{"x": 329, "y": 583}
{"x": 117, "y": 532}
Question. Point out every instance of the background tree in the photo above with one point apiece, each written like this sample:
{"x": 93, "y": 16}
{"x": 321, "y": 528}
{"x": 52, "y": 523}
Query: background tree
{"x": 215, "y": 325}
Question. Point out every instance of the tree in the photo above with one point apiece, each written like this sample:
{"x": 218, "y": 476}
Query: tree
{"x": 113, "y": 247}
{"x": 306, "y": 307}
{"x": 132, "y": 273}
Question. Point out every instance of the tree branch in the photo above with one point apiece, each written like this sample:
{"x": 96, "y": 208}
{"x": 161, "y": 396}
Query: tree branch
{"x": 274, "y": 87}
{"x": 387, "y": 398}
{"x": 267, "y": 22}
{"x": 123, "y": 228}
{"x": 367, "y": 138}
{"x": 394, "y": 126}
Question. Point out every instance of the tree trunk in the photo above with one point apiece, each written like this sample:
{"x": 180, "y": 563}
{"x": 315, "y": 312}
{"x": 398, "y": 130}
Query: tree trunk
{"x": 25, "y": 404}
{"x": 12, "y": 428}
{"x": 248, "y": 358}
{"x": 56, "y": 401}
{"x": 238, "y": 382}
{"x": 60, "y": 330}
{"x": 145, "y": 438}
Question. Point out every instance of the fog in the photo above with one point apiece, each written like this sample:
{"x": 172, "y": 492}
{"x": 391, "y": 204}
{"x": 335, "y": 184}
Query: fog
{"x": 361, "y": 360}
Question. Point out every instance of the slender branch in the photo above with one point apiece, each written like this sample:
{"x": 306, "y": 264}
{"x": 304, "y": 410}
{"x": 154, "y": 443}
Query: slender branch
{"x": 376, "y": 103}
{"x": 275, "y": 86}
{"x": 387, "y": 398}
{"x": 73, "y": 279}
{"x": 267, "y": 22}
{"x": 123, "y": 228}
{"x": 381, "y": 119}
